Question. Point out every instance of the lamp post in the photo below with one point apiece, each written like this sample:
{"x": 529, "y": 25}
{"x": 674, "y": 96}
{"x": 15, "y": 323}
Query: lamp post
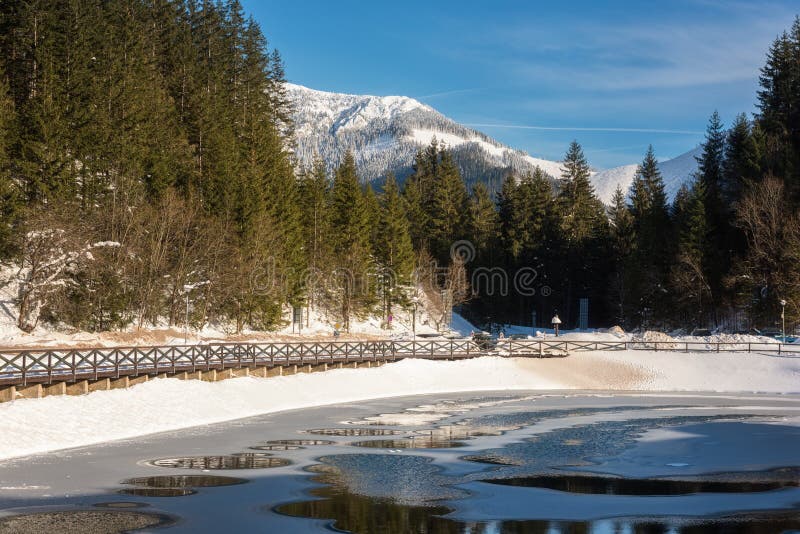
{"x": 783, "y": 321}
{"x": 186, "y": 288}
{"x": 415, "y": 301}
{"x": 556, "y": 322}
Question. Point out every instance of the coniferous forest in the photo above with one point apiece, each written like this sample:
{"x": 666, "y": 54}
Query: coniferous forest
{"x": 146, "y": 161}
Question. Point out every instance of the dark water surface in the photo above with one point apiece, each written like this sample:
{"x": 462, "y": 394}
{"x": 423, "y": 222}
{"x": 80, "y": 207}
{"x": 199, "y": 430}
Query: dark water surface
{"x": 470, "y": 464}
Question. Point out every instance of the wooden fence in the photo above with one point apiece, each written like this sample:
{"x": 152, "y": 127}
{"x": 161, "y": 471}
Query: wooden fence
{"x": 45, "y": 366}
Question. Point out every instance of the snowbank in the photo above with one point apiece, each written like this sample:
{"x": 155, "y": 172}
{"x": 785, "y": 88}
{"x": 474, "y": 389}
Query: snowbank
{"x": 37, "y": 425}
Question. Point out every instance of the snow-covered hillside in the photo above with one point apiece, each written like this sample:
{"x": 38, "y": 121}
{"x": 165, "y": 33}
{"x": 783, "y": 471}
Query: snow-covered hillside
{"x": 385, "y": 132}
{"x": 675, "y": 172}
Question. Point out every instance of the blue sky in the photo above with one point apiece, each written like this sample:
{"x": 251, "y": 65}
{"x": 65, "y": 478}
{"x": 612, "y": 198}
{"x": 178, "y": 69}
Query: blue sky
{"x": 536, "y": 75}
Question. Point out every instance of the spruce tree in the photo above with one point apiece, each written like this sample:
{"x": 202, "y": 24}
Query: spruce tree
{"x": 623, "y": 246}
{"x": 583, "y": 215}
{"x": 414, "y": 202}
{"x": 710, "y": 174}
{"x": 651, "y": 222}
{"x": 510, "y": 231}
{"x": 314, "y": 193}
{"x": 650, "y": 208}
{"x": 10, "y": 201}
{"x": 690, "y": 287}
{"x": 484, "y": 225}
{"x": 740, "y": 170}
{"x": 373, "y": 208}
{"x": 779, "y": 107}
{"x": 448, "y": 207}
{"x": 741, "y": 165}
{"x": 351, "y": 235}
{"x": 583, "y": 232}
{"x": 394, "y": 250}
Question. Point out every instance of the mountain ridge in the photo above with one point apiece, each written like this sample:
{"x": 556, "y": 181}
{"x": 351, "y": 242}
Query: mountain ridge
{"x": 385, "y": 132}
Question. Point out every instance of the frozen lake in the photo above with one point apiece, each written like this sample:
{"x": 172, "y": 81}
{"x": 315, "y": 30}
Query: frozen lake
{"x": 468, "y": 462}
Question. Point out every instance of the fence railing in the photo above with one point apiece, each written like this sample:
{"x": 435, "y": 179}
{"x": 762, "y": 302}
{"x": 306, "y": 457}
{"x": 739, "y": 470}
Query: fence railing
{"x": 47, "y": 365}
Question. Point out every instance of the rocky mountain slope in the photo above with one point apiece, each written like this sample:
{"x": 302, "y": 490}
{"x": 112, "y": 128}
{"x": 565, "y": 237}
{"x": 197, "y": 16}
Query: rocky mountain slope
{"x": 385, "y": 132}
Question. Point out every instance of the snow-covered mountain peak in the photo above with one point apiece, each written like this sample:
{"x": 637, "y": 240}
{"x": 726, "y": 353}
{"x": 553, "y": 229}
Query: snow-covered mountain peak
{"x": 675, "y": 172}
{"x": 340, "y": 111}
{"x": 386, "y": 132}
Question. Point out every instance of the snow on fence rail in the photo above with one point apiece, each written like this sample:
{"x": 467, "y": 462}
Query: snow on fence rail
{"x": 23, "y": 366}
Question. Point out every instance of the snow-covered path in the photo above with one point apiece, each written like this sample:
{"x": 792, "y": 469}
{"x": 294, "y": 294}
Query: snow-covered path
{"x": 31, "y": 426}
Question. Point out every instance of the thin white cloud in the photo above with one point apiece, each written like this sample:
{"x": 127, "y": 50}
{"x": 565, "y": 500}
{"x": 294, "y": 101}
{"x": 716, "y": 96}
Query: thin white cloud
{"x": 584, "y": 128}
{"x": 448, "y": 93}
{"x": 635, "y": 56}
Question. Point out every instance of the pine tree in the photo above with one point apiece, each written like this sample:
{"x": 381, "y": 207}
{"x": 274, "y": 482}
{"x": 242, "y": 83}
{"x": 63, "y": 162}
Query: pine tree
{"x": 741, "y": 169}
{"x": 394, "y": 250}
{"x": 351, "y": 231}
{"x": 741, "y": 162}
{"x": 314, "y": 199}
{"x": 448, "y": 207}
{"x": 583, "y": 215}
{"x": 417, "y": 215}
{"x": 691, "y": 291}
{"x": 623, "y": 243}
{"x": 710, "y": 174}
{"x": 373, "y": 208}
{"x": 484, "y": 225}
{"x": 650, "y": 208}
{"x": 779, "y": 106}
{"x": 651, "y": 223}
{"x": 583, "y": 231}
{"x": 510, "y": 230}
{"x": 10, "y": 201}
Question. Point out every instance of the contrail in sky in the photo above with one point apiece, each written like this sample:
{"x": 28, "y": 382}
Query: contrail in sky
{"x": 584, "y": 129}
{"x": 448, "y": 93}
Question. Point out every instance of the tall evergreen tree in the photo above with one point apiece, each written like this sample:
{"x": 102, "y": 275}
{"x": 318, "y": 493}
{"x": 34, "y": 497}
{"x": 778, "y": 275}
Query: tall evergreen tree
{"x": 691, "y": 291}
{"x": 584, "y": 232}
{"x": 651, "y": 222}
{"x": 414, "y": 202}
{"x": 741, "y": 166}
{"x": 583, "y": 215}
{"x": 314, "y": 195}
{"x": 484, "y": 225}
{"x": 10, "y": 201}
{"x": 710, "y": 174}
{"x": 448, "y": 207}
{"x": 623, "y": 246}
{"x": 351, "y": 231}
{"x": 741, "y": 169}
{"x": 508, "y": 211}
{"x": 779, "y": 106}
{"x": 394, "y": 250}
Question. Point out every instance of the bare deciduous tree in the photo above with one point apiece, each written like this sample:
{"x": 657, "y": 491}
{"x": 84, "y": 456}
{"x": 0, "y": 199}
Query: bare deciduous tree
{"x": 53, "y": 249}
{"x": 771, "y": 270}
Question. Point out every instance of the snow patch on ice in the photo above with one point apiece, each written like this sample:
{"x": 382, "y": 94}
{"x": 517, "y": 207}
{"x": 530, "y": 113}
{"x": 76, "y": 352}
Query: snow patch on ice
{"x": 38, "y": 425}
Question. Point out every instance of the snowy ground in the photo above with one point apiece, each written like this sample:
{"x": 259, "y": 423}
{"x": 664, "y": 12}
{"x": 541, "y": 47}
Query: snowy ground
{"x": 37, "y": 425}
{"x": 90, "y": 476}
{"x": 616, "y": 334}
{"x": 317, "y": 325}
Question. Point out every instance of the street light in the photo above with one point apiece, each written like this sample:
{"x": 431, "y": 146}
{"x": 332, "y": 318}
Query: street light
{"x": 783, "y": 321}
{"x": 556, "y": 322}
{"x": 415, "y": 301}
{"x": 186, "y": 288}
